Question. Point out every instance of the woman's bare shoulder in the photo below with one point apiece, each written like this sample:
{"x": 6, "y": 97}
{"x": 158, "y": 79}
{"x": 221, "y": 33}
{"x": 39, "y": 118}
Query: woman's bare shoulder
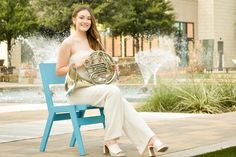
{"x": 67, "y": 41}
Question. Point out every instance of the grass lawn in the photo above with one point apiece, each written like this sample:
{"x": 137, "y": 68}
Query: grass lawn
{"x": 229, "y": 152}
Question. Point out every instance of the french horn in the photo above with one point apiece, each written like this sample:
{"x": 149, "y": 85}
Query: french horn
{"x": 98, "y": 68}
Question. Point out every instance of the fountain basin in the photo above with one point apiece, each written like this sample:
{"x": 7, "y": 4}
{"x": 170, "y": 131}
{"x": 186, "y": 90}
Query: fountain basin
{"x": 33, "y": 93}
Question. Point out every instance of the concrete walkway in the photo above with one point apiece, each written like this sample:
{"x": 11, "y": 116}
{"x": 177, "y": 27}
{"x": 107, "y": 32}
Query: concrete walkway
{"x": 21, "y": 127}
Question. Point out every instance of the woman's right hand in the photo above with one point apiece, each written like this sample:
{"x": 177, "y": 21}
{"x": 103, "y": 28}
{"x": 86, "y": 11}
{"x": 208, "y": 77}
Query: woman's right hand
{"x": 81, "y": 63}
{"x": 76, "y": 65}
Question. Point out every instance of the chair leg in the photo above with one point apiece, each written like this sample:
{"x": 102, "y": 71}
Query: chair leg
{"x": 46, "y": 132}
{"x": 72, "y": 140}
{"x": 77, "y": 133}
{"x": 80, "y": 114}
{"x": 102, "y": 114}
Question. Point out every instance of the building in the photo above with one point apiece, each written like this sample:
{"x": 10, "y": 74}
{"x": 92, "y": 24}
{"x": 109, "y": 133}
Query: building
{"x": 214, "y": 27}
{"x": 208, "y": 25}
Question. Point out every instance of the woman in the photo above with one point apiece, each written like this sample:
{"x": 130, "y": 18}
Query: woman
{"x": 120, "y": 116}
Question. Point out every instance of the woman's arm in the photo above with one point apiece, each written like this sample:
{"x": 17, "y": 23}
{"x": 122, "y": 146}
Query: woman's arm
{"x": 64, "y": 54}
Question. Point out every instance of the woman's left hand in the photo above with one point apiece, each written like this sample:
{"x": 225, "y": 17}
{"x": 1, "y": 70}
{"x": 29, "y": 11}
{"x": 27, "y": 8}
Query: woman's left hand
{"x": 117, "y": 69}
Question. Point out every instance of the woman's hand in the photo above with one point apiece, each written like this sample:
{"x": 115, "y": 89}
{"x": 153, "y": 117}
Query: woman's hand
{"x": 117, "y": 69}
{"x": 81, "y": 63}
{"x": 78, "y": 65}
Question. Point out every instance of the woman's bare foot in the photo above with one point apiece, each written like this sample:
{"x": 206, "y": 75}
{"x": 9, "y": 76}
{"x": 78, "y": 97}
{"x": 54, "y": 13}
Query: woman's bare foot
{"x": 111, "y": 147}
{"x": 110, "y": 142}
{"x": 152, "y": 140}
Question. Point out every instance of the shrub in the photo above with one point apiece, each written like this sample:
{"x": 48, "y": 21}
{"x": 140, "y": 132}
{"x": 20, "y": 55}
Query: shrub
{"x": 193, "y": 97}
{"x": 163, "y": 99}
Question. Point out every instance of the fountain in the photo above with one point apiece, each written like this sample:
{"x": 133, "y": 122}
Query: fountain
{"x": 44, "y": 50}
{"x": 150, "y": 62}
{"x": 36, "y": 50}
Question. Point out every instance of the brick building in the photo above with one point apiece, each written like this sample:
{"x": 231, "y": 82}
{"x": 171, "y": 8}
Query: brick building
{"x": 209, "y": 23}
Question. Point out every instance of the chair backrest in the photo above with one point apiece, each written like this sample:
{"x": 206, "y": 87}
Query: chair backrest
{"x": 48, "y": 76}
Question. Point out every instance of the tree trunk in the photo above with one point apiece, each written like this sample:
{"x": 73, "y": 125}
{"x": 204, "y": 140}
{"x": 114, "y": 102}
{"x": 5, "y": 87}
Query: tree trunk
{"x": 9, "y": 46}
{"x": 141, "y": 43}
{"x": 137, "y": 44}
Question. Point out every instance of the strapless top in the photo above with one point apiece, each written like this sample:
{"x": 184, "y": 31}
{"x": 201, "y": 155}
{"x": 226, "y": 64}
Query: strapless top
{"x": 79, "y": 57}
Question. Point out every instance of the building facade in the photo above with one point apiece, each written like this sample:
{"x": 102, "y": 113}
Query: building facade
{"x": 214, "y": 28}
{"x": 208, "y": 23}
{"x": 209, "y": 27}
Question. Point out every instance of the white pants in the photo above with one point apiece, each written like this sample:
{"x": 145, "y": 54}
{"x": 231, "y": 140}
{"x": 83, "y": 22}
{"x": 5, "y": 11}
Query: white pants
{"x": 120, "y": 116}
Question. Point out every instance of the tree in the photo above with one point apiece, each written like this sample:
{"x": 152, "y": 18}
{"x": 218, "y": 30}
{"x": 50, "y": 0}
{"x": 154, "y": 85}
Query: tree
{"x": 142, "y": 18}
{"x": 55, "y": 15}
{"x": 16, "y": 19}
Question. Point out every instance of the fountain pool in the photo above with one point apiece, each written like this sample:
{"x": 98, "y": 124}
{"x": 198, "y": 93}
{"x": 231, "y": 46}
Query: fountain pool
{"x": 34, "y": 93}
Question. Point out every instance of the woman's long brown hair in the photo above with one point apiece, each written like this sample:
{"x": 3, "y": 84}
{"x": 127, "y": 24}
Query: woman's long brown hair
{"x": 94, "y": 38}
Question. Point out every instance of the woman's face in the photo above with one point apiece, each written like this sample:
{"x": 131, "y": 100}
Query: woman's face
{"x": 82, "y": 21}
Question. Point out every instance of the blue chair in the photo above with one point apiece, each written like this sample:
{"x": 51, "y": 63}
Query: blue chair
{"x": 66, "y": 111}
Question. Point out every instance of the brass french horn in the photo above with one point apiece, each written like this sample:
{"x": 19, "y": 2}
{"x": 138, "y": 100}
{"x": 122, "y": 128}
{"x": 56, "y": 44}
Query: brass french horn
{"x": 98, "y": 68}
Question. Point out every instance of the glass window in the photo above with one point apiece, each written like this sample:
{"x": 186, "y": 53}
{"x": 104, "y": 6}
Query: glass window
{"x": 189, "y": 30}
{"x": 185, "y": 29}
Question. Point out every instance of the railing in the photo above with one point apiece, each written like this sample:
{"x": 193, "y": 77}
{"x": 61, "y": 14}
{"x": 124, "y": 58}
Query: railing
{"x": 224, "y": 69}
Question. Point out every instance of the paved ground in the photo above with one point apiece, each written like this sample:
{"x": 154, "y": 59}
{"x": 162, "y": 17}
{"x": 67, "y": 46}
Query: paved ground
{"x": 21, "y": 127}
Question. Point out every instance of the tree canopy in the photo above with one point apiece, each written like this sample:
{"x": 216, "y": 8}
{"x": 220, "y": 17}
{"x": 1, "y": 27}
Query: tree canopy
{"x": 137, "y": 18}
{"x": 55, "y": 15}
{"x": 142, "y": 18}
{"x": 16, "y": 19}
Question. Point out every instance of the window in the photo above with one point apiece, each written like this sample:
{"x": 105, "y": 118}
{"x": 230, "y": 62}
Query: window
{"x": 184, "y": 41}
{"x": 185, "y": 29}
